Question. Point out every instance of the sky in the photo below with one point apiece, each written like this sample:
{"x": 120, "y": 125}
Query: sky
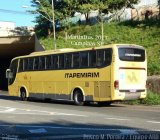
{"x": 13, "y": 11}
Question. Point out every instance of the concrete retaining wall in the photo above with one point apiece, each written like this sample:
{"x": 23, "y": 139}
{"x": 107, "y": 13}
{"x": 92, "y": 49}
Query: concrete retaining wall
{"x": 153, "y": 83}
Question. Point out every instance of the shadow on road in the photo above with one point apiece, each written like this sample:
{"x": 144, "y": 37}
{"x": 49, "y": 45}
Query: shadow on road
{"x": 63, "y": 129}
{"x": 4, "y": 95}
{"x": 71, "y": 103}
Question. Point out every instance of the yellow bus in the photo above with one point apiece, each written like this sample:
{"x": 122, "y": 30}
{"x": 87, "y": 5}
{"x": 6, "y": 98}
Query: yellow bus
{"x": 104, "y": 74}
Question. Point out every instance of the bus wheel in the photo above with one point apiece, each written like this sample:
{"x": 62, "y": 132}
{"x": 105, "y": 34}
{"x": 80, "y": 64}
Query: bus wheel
{"x": 78, "y": 97}
{"x": 23, "y": 95}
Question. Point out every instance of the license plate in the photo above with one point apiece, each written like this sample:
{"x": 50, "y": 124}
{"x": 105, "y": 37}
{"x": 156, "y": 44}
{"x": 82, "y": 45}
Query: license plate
{"x": 132, "y": 90}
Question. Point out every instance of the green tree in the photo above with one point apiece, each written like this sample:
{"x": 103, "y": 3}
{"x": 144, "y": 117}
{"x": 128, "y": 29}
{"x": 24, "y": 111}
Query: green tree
{"x": 44, "y": 18}
{"x": 66, "y": 8}
{"x": 103, "y": 6}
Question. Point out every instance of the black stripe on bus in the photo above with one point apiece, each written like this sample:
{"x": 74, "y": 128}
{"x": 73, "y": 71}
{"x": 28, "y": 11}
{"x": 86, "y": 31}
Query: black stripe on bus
{"x": 136, "y": 68}
{"x": 143, "y": 90}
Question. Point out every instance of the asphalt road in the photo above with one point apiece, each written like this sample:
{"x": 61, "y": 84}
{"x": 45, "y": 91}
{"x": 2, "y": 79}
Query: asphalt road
{"x": 40, "y": 120}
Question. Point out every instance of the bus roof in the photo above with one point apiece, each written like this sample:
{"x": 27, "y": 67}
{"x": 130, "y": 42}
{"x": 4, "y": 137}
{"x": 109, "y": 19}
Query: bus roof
{"x": 75, "y": 50}
{"x": 54, "y": 51}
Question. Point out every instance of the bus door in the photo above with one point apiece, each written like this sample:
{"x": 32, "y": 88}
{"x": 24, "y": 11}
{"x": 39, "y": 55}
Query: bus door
{"x": 102, "y": 87}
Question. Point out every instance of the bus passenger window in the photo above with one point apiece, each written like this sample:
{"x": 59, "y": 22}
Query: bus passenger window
{"x": 68, "y": 60}
{"x": 36, "y": 63}
{"x": 42, "y": 63}
{"x": 21, "y": 66}
{"x": 100, "y": 58}
{"x": 75, "y": 60}
{"x": 84, "y": 59}
{"x": 49, "y": 61}
{"x": 25, "y": 64}
{"x": 30, "y": 63}
{"x": 55, "y": 61}
{"x": 108, "y": 56}
{"x": 92, "y": 59}
{"x": 61, "y": 61}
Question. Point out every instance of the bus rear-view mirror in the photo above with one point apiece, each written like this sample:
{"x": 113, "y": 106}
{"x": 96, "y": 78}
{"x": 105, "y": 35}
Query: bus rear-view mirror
{"x": 9, "y": 74}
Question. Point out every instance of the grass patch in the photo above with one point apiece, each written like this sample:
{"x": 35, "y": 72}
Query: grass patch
{"x": 151, "y": 99}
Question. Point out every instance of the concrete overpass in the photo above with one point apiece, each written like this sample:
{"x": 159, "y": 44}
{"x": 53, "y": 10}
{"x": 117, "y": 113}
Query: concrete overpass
{"x": 13, "y": 46}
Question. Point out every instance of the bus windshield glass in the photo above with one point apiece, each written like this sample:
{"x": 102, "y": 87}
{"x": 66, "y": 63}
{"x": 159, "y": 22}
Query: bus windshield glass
{"x": 131, "y": 54}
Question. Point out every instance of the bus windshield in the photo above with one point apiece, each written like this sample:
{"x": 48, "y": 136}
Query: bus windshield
{"x": 131, "y": 54}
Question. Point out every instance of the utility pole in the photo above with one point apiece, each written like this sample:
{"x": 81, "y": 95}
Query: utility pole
{"x": 51, "y": 20}
{"x": 102, "y": 26}
{"x": 54, "y": 32}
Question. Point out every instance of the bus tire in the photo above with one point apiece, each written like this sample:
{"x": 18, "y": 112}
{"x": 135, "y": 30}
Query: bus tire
{"x": 78, "y": 97}
{"x": 23, "y": 95}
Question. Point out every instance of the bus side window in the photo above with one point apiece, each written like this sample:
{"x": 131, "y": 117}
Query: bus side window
{"x": 100, "y": 58}
{"x": 84, "y": 59}
{"x": 30, "y": 64}
{"x": 68, "y": 60}
{"x": 25, "y": 61}
{"x": 41, "y": 63}
{"x": 61, "y": 61}
{"x": 92, "y": 58}
{"x": 76, "y": 60}
{"x": 36, "y": 63}
{"x": 108, "y": 57}
{"x": 49, "y": 61}
{"x": 55, "y": 61}
{"x": 21, "y": 68}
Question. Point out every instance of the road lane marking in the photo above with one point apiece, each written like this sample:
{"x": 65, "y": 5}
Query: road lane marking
{"x": 66, "y": 114}
{"x": 153, "y": 122}
{"x": 56, "y": 113}
{"x": 36, "y": 112}
{"x": 52, "y": 113}
{"x": 49, "y": 114}
{"x": 118, "y": 119}
{"x": 6, "y": 110}
{"x": 40, "y": 113}
{"x": 10, "y": 110}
